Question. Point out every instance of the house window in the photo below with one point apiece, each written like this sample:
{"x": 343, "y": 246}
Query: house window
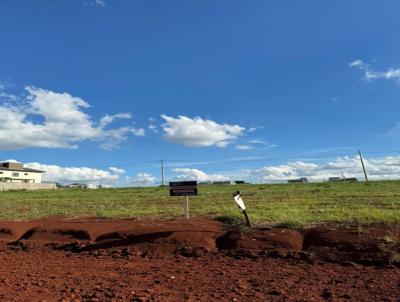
{"x": 25, "y": 173}
{"x": 1, "y": 172}
{"x": 15, "y": 174}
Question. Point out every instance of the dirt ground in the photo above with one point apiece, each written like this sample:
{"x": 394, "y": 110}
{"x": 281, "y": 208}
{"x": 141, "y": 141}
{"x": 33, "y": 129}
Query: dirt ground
{"x": 195, "y": 260}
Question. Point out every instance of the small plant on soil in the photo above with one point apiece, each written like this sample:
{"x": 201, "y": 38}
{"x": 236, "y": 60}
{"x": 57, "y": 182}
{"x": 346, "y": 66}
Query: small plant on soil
{"x": 389, "y": 239}
{"x": 228, "y": 219}
{"x": 360, "y": 229}
{"x": 395, "y": 259}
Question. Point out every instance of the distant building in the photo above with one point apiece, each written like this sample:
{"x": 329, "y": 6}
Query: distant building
{"x": 205, "y": 183}
{"x": 339, "y": 179}
{"x": 240, "y": 182}
{"x": 350, "y": 179}
{"x": 303, "y": 179}
{"x": 78, "y": 186}
{"x": 224, "y": 182}
{"x": 209, "y": 182}
{"x": 94, "y": 186}
{"x": 16, "y": 173}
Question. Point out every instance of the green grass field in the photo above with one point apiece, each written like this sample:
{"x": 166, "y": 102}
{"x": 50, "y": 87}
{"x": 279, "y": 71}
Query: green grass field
{"x": 287, "y": 204}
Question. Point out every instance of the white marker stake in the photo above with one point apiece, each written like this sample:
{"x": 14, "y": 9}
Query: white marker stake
{"x": 186, "y": 207}
{"x": 239, "y": 201}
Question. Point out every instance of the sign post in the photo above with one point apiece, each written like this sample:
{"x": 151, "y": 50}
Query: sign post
{"x": 186, "y": 189}
{"x": 240, "y": 203}
{"x": 186, "y": 207}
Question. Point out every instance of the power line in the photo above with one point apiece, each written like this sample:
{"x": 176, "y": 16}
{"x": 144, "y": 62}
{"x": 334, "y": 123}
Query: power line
{"x": 266, "y": 159}
{"x": 234, "y": 160}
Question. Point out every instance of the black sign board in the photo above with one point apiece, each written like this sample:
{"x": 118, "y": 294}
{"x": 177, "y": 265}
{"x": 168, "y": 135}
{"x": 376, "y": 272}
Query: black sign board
{"x": 183, "y": 188}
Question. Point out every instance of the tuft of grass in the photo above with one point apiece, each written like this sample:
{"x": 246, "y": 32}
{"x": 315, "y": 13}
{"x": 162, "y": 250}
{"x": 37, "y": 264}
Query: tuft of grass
{"x": 283, "y": 204}
{"x": 395, "y": 259}
{"x": 229, "y": 219}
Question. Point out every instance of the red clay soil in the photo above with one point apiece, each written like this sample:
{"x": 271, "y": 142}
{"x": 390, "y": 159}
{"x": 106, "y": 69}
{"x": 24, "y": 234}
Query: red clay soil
{"x": 196, "y": 260}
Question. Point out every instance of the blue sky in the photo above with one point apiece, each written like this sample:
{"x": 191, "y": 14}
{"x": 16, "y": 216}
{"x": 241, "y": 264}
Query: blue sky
{"x": 271, "y": 83}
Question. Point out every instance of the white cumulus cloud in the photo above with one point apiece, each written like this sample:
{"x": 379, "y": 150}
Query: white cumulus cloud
{"x": 198, "y": 132}
{"x": 145, "y": 179}
{"x": 195, "y": 174}
{"x": 377, "y": 169}
{"x": 371, "y": 74}
{"x": 243, "y": 147}
{"x": 67, "y": 174}
{"x": 101, "y": 3}
{"x": 57, "y": 120}
{"x": 117, "y": 170}
{"x": 9, "y": 96}
{"x": 153, "y": 128}
{"x": 253, "y": 129}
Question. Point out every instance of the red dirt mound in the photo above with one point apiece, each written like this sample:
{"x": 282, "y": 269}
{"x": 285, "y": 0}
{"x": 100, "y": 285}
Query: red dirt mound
{"x": 6, "y": 234}
{"x": 13, "y": 230}
{"x": 95, "y": 234}
{"x": 373, "y": 246}
{"x": 275, "y": 242}
{"x": 376, "y": 246}
{"x": 55, "y": 234}
{"x": 128, "y": 260}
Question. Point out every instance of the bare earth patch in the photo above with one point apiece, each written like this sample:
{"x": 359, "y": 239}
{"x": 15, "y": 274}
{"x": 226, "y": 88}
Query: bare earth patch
{"x": 197, "y": 260}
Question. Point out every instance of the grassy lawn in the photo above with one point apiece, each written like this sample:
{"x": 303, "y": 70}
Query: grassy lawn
{"x": 288, "y": 204}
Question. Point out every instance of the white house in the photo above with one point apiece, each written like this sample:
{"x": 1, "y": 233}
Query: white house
{"x": 15, "y": 172}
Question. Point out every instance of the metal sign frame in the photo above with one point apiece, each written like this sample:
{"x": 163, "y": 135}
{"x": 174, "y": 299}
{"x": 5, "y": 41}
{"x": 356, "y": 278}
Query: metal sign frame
{"x": 186, "y": 189}
{"x": 183, "y": 188}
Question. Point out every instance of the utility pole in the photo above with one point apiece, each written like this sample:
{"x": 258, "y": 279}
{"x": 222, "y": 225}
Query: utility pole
{"x": 162, "y": 172}
{"x": 362, "y": 164}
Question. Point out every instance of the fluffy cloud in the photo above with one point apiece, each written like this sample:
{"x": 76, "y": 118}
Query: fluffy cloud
{"x": 253, "y": 129}
{"x": 258, "y": 144}
{"x": 4, "y": 86}
{"x": 144, "y": 179}
{"x": 8, "y": 96}
{"x": 101, "y": 3}
{"x": 370, "y": 74}
{"x": 57, "y": 120}
{"x": 243, "y": 147}
{"x": 197, "y": 132}
{"x": 195, "y": 174}
{"x": 287, "y": 171}
{"x": 67, "y": 174}
{"x": 117, "y": 170}
{"x": 153, "y": 128}
{"x": 377, "y": 168}
{"x": 152, "y": 125}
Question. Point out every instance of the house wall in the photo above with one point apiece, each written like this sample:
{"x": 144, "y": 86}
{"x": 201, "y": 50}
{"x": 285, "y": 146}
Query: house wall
{"x": 32, "y": 177}
{"x": 5, "y": 186}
